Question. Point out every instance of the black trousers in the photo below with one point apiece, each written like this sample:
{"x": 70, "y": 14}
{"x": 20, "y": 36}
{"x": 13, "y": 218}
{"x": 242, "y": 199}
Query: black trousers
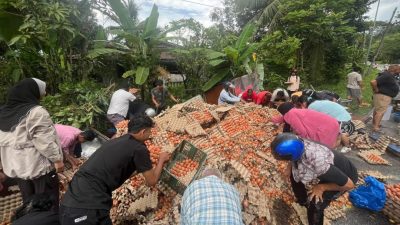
{"x": 73, "y": 216}
{"x": 48, "y": 184}
{"x": 315, "y": 212}
{"x": 159, "y": 109}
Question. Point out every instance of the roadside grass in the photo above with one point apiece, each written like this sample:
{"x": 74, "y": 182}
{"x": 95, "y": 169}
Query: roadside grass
{"x": 340, "y": 88}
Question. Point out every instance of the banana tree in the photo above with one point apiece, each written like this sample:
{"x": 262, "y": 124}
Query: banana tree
{"x": 138, "y": 41}
{"x": 234, "y": 59}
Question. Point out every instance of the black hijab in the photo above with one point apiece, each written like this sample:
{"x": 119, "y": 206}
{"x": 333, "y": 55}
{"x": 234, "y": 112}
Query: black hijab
{"x": 285, "y": 107}
{"x": 20, "y": 100}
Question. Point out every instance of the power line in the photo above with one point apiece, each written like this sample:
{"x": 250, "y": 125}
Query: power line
{"x": 200, "y": 4}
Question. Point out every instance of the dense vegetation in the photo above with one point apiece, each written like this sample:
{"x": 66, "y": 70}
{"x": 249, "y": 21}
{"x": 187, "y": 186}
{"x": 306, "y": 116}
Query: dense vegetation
{"x": 82, "y": 62}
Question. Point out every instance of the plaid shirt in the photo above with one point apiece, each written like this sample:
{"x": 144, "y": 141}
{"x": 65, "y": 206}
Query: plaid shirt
{"x": 211, "y": 201}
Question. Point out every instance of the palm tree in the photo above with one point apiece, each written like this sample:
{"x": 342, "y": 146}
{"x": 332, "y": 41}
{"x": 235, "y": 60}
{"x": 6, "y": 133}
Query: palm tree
{"x": 268, "y": 11}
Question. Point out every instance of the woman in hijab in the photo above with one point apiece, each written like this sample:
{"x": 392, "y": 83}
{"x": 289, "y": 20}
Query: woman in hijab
{"x": 29, "y": 147}
{"x": 278, "y": 97}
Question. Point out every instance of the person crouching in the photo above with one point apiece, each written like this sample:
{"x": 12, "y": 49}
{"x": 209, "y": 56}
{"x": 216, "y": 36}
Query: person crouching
{"x": 317, "y": 174}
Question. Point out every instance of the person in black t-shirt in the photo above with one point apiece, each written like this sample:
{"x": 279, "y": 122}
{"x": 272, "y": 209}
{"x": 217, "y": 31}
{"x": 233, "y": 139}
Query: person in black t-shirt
{"x": 88, "y": 198}
{"x": 385, "y": 88}
{"x": 318, "y": 175}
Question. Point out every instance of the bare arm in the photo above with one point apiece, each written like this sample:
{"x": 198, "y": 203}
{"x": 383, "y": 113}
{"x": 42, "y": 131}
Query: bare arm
{"x": 374, "y": 86}
{"x": 173, "y": 98}
{"x": 152, "y": 176}
{"x": 334, "y": 187}
{"x": 360, "y": 84}
{"x": 154, "y": 101}
{"x": 319, "y": 189}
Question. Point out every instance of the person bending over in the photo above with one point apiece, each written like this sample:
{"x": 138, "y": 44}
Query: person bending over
{"x": 88, "y": 198}
{"x": 317, "y": 174}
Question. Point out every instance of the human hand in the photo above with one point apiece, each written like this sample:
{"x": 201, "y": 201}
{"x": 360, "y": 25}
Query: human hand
{"x": 3, "y": 177}
{"x": 134, "y": 90}
{"x": 59, "y": 166}
{"x": 164, "y": 157}
{"x": 316, "y": 192}
{"x": 288, "y": 172}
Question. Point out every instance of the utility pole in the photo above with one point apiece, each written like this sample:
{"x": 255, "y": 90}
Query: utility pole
{"x": 378, "y": 51}
{"x": 371, "y": 34}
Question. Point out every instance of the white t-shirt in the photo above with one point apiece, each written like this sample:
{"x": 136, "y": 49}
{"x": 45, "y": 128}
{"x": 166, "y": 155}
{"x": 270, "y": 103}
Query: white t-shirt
{"x": 120, "y": 102}
{"x": 225, "y": 97}
{"x": 295, "y": 80}
{"x": 352, "y": 80}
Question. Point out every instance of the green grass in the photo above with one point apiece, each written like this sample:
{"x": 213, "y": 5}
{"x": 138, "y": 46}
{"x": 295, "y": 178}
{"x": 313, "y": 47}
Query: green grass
{"x": 340, "y": 88}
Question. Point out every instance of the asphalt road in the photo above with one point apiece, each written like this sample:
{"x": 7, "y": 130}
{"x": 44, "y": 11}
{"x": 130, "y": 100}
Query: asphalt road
{"x": 355, "y": 216}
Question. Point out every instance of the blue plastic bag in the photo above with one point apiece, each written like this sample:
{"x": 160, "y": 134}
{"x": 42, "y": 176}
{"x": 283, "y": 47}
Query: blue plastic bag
{"x": 371, "y": 195}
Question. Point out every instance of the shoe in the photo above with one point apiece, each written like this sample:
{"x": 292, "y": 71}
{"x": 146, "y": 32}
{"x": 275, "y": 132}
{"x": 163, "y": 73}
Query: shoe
{"x": 345, "y": 149}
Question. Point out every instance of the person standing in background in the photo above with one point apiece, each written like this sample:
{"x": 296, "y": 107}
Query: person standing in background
{"x": 29, "y": 147}
{"x": 294, "y": 82}
{"x": 159, "y": 96}
{"x": 119, "y": 103}
{"x": 354, "y": 86}
{"x": 385, "y": 88}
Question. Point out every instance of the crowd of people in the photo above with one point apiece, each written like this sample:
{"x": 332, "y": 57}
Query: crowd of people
{"x": 33, "y": 150}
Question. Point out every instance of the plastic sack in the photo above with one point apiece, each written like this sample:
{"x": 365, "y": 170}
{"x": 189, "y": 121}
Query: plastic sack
{"x": 371, "y": 195}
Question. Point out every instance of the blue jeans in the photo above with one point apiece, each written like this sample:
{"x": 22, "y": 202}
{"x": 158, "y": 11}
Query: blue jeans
{"x": 115, "y": 118}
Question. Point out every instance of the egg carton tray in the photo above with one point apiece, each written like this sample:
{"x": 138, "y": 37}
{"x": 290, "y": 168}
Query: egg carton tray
{"x": 177, "y": 125}
{"x": 194, "y": 129}
{"x": 194, "y": 104}
{"x": 373, "y": 158}
{"x": 378, "y": 175}
{"x": 392, "y": 209}
{"x": 8, "y": 205}
{"x": 242, "y": 170}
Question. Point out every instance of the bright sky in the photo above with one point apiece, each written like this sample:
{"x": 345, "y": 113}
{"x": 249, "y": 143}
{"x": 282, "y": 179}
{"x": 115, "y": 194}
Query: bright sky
{"x": 385, "y": 9}
{"x": 177, "y": 9}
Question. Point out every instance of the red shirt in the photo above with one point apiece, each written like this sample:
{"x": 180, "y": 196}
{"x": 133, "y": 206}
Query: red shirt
{"x": 249, "y": 98}
{"x": 261, "y": 97}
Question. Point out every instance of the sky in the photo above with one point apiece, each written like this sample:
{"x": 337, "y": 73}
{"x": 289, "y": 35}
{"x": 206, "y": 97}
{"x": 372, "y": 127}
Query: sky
{"x": 386, "y": 8}
{"x": 177, "y": 9}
